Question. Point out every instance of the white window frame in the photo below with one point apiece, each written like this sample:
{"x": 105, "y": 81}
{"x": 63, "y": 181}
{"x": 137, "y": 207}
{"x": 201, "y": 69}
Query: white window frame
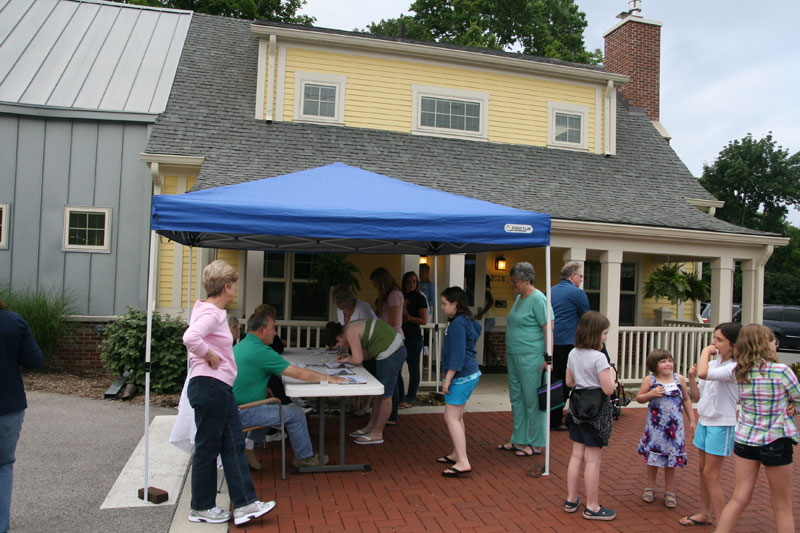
{"x": 481, "y": 98}
{"x": 319, "y": 78}
{"x": 554, "y": 108}
{"x": 105, "y": 248}
{"x": 4, "y": 218}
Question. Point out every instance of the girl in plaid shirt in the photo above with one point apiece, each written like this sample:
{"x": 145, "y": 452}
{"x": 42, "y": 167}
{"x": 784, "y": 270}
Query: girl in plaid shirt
{"x": 765, "y": 433}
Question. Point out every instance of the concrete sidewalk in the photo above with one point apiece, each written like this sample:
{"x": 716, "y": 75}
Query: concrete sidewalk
{"x": 69, "y": 456}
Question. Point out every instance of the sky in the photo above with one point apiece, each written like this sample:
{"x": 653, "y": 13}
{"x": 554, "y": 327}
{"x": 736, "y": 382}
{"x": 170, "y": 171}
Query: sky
{"x": 728, "y": 67}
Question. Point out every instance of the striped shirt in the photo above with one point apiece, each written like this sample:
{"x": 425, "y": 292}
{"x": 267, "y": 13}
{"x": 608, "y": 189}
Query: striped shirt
{"x": 764, "y": 400}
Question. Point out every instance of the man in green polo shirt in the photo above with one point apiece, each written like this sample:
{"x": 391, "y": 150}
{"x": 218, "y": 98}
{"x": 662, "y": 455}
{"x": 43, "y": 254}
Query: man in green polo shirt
{"x": 256, "y": 362}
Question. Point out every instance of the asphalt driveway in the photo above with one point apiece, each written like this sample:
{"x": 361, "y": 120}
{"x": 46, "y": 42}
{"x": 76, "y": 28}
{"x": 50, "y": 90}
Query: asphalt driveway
{"x": 70, "y": 452}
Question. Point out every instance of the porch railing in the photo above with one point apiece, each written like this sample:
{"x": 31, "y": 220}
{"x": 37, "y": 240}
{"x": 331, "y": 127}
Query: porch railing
{"x": 684, "y": 343}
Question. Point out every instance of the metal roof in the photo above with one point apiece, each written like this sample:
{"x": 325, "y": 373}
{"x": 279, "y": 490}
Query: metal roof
{"x": 89, "y": 55}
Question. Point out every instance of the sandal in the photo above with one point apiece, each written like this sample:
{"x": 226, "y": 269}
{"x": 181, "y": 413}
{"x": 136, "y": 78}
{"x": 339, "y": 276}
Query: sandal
{"x": 404, "y": 405}
{"x": 446, "y": 460}
{"x": 649, "y": 495}
{"x": 507, "y": 447}
{"x": 571, "y": 507}
{"x": 669, "y": 500}
{"x": 689, "y": 521}
{"x": 520, "y": 452}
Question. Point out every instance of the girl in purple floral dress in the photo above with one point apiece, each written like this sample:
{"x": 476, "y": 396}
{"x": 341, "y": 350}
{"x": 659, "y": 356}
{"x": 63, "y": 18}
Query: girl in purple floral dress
{"x": 663, "y": 444}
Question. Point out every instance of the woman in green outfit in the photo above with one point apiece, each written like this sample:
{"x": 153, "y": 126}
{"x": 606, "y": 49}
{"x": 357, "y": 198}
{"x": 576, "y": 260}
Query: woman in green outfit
{"x": 371, "y": 339}
{"x": 525, "y": 339}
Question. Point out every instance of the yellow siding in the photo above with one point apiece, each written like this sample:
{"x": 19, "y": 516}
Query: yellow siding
{"x": 379, "y": 95}
{"x": 165, "y": 272}
{"x": 232, "y": 258}
{"x": 501, "y": 290}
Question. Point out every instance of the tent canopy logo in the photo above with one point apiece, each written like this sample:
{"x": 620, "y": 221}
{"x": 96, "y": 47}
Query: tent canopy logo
{"x": 518, "y": 228}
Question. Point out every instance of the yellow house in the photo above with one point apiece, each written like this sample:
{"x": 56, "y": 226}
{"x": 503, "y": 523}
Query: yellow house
{"x": 584, "y": 144}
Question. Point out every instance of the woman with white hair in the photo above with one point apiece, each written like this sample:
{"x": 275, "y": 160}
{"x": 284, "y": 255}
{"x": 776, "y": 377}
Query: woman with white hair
{"x": 525, "y": 339}
{"x": 219, "y": 431}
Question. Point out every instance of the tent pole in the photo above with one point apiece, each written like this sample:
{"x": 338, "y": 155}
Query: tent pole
{"x": 436, "y": 317}
{"x": 189, "y": 304}
{"x": 548, "y": 350}
{"x": 150, "y": 305}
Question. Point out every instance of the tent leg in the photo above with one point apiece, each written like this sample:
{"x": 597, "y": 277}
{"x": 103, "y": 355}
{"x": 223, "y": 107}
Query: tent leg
{"x": 548, "y": 355}
{"x": 435, "y": 339}
{"x": 148, "y": 493}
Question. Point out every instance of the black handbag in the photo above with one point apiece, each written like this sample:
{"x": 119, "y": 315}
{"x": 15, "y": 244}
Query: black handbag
{"x": 557, "y": 396}
{"x": 586, "y": 403}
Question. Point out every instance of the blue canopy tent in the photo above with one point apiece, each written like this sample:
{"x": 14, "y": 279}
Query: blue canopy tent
{"x": 340, "y": 208}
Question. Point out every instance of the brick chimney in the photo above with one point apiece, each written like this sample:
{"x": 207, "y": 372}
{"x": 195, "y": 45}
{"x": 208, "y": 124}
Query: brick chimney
{"x": 633, "y": 48}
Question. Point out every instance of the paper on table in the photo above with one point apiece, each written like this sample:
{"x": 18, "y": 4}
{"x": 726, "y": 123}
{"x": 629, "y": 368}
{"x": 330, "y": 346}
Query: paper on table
{"x": 337, "y": 364}
{"x": 339, "y": 372}
{"x": 354, "y": 380}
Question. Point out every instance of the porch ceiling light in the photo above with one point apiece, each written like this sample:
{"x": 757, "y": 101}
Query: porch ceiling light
{"x": 423, "y": 260}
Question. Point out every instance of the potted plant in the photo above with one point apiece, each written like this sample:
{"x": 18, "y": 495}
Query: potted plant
{"x": 670, "y": 281}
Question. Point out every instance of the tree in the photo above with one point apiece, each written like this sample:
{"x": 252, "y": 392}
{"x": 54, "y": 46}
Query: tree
{"x": 547, "y": 28}
{"x": 276, "y": 10}
{"x": 758, "y": 181}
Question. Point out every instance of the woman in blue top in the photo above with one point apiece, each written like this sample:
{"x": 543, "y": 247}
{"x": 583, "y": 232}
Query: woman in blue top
{"x": 462, "y": 374}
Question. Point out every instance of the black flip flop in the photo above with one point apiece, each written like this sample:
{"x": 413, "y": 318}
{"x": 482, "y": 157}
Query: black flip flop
{"x": 522, "y": 453}
{"x": 446, "y": 460}
{"x": 453, "y": 472}
{"x": 504, "y": 448}
{"x": 693, "y": 522}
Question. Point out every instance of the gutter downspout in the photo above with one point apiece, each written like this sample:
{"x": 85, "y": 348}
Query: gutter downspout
{"x": 607, "y": 119}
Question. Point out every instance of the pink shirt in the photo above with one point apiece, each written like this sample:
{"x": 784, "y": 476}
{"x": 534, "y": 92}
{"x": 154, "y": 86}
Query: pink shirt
{"x": 395, "y": 299}
{"x": 208, "y": 329}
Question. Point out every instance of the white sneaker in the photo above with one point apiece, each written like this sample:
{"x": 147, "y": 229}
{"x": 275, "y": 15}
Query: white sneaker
{"x": 254, "y": 510}
{"x": 215, "y": 515}
{"x": 275, "y": 437}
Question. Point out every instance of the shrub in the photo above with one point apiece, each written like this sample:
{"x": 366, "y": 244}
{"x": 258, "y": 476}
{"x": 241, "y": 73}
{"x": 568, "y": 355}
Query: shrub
{"x": 46, "y": 310}
{"x": 123, "y": 350}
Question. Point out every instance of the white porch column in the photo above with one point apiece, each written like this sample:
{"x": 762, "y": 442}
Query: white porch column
{"x": 721, "y": 290}
{"x": 410, "y": 262}
{"x": 253, "y": 281}
{"x": 749, "y": 291}
{"x": 577, "y": 255}
{"x": 610, "y": 271}
{"x": 454, "y": 272}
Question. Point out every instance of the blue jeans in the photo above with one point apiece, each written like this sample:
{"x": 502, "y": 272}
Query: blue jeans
{"x": 413, "y": 353}
{"x": 269, "y": 415}
{"x": 10, "y": 426}
{"x": 219, "y": 432}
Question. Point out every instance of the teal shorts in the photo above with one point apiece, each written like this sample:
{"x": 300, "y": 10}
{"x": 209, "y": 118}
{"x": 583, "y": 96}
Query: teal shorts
{"x": 716, "y": 440}
{"x": 460, "y": 392}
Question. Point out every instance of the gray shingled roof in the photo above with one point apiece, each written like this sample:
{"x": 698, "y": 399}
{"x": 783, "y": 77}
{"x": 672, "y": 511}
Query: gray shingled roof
{"x": 212, "y": 104}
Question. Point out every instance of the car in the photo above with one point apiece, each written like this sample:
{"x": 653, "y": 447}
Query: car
{"x": 705, "y": 315}
{"x": 784, "y": 321}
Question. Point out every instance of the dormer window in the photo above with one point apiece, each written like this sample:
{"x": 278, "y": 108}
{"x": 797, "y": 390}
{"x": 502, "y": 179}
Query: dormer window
{"x": 449, "y": 112}
{"x": 568, "y": 126}
{"x": 319, "y": 97}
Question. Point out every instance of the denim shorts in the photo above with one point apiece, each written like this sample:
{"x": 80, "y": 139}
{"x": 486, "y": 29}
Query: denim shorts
{"x": 387, "y": 370}
{"x": 460, "y": 392}
{"x": 714, "y": 440}
{"x": 582, "y": 436}
{"x": 776, "y": 453}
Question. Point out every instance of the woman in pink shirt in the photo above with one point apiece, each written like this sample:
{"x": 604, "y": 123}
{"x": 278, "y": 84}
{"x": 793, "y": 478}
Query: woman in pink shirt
{"x": 389, "y": 308}
{"x": 216, "y": 415}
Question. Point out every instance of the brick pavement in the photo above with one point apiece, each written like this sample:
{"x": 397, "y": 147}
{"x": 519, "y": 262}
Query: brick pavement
{"x": 405, "y": 491}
